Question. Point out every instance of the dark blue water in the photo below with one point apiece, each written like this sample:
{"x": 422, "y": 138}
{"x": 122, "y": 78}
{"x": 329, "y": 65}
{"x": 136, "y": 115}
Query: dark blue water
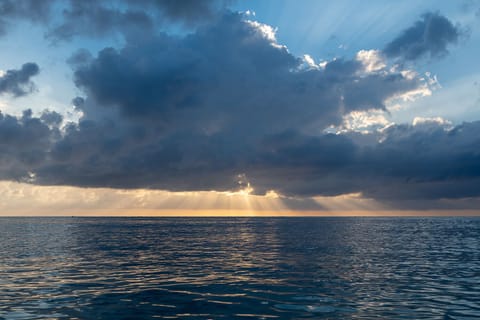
{"x": 243, "y": 268}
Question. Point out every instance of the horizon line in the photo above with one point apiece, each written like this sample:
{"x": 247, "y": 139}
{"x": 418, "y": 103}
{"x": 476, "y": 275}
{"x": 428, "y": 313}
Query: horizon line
{"x": 218, "y": 213}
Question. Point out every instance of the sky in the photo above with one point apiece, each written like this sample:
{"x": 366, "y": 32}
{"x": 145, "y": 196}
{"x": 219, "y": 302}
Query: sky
{"x": 268, "y": 107}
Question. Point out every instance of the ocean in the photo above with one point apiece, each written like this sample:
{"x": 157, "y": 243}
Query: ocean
{"x": 239, "y": 268}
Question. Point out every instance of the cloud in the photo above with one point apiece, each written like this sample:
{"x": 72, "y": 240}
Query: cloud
{"x": 187, "y": 11}
{"x": 224, "y": 73}
{"x": 405, "y": 165}
{"x": 428, "y": 37}
{"x": 425, "y": 161}
{"x": 227, "y": 107}
{"x": 31, "y": 10}
{"x": 92, "y": 18}
{"x": 17, "y": 82}
{"x": 24, "y": 145}
{"x": 194, "y": 112}
{"x": 197, "y": 112}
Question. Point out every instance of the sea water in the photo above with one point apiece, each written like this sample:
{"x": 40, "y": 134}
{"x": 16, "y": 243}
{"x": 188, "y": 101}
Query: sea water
{"x": 239, "y": 268}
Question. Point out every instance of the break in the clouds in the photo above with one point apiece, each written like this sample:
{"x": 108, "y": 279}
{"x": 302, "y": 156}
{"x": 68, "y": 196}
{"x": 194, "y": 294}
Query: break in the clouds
{"x": 430, "y": 36}
{"x": 227, "y": 106}
{"x": 17, "y": 81}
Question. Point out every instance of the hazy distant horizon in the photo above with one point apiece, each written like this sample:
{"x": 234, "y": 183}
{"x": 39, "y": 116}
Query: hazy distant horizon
{"x": 248, "y": 214}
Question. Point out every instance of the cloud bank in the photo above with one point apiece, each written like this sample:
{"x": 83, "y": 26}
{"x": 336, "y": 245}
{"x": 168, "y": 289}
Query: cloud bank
{"x": 227, "y": 107}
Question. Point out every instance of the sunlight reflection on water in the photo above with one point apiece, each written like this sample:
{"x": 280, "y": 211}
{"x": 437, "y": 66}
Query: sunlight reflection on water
{"x": 264, "y": 268}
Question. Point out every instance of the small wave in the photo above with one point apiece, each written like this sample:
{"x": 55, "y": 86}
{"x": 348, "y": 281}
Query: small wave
{"x": 307, "y": 308}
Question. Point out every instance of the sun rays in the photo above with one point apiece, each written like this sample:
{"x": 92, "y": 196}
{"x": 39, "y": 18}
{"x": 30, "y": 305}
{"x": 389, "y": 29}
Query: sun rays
{"x": 32, "y": 200}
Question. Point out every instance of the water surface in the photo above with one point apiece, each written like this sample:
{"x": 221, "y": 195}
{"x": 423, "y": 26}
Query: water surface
{"x": 239, "y": 268}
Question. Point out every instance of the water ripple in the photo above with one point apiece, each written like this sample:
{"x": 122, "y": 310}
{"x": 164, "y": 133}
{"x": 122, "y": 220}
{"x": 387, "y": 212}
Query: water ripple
{"x": 269, "y": 268}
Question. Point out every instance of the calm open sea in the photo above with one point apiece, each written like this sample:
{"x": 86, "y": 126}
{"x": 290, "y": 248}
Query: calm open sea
{"x": 239, "y": 268}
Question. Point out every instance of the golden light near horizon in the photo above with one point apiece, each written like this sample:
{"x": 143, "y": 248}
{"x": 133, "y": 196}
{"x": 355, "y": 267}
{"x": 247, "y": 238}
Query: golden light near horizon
{"x": 22, "y": 198}
{"x": 349, "y": 202}
{"x": 27, "y": 199}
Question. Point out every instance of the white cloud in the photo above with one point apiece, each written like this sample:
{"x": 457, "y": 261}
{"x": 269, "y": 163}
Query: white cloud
{"x": 372, "y": 60}
{"x": 364, "y": 121}
{"x": 435, "y": 120}
{"x": 267, "y": 31}
{"x": 309, "y": 61}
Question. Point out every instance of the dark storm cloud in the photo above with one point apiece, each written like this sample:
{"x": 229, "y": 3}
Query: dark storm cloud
{"x": 198, "y": 112}
{"x": 226, "y": 106}
{"x": 425, "y": 161}
{"x": 17, "y": 82}
{"x": 412, "y": 162}
{"x": 429, "y": 36}
{"x": 217, "y": 78}
{"x": 24, "y": 144}
{"x": 406, "y": 165}
{"x": 193, "y": 113}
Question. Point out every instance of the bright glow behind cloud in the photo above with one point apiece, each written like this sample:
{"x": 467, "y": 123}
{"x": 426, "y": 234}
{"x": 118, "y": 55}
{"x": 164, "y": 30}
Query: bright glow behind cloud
{"x": 372, "y": 60}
